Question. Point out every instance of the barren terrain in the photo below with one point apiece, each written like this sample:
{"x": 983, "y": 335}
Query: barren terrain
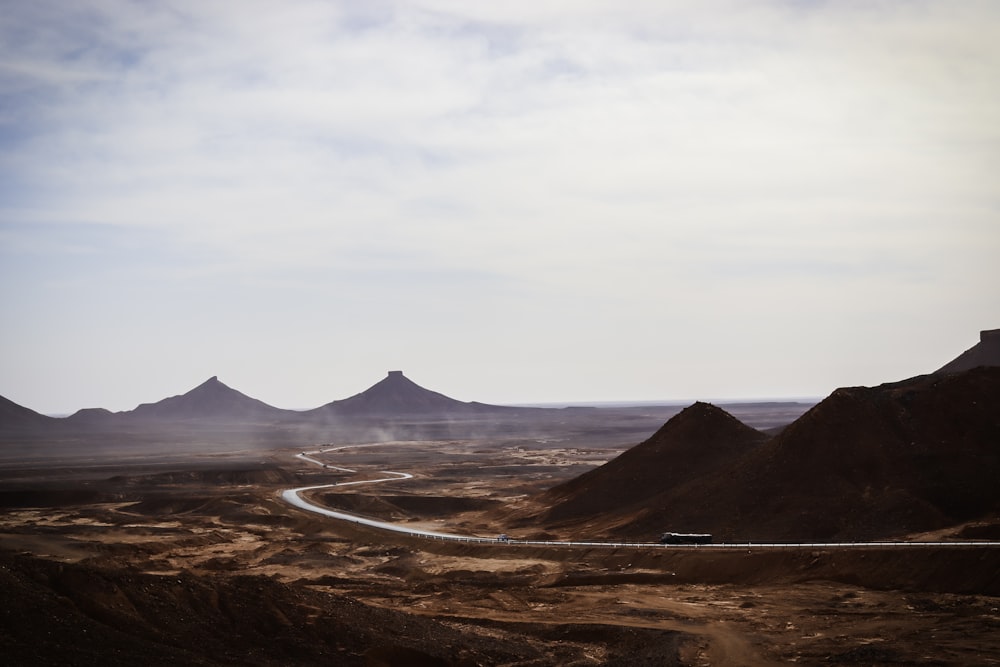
{"x": 198, "y": 561}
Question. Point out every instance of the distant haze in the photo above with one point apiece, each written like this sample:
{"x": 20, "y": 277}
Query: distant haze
{"x": 515, "y": 202}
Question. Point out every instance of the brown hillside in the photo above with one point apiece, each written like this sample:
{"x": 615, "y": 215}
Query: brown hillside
{"x": 883, "y": 461}
{"x": 700, "y": 439}
{"x": 82, "y": 614}
{"x": 865, "y": 463}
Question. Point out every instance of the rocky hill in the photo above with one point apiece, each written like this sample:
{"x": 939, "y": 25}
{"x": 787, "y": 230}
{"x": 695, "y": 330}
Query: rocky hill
{"x": 911, "y": 456}
{"x": 864, "y": 463}
{"x": 701, "y": 439}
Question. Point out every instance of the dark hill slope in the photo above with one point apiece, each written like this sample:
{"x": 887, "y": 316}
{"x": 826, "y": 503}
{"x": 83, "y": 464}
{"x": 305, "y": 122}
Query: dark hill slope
{"x": 985, "y": 353}
{"x": 397, "y": 395}
{"x": 14, "y": 417}
{"x": 210, "y": 401}
{"x": 693, "y": 443}
{"x": 865, "y": 463}
{"x": 869, "y": 462}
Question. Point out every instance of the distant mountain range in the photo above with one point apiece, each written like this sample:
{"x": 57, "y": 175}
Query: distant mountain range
{"x": 394, "y": 396}
{"x": 865, "y": 463}
{"x": 215, "y": 403}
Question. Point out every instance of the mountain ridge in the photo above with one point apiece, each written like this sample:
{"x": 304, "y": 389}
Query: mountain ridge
{"x": 213, "y": 402}
{"x": 865, "y": 463}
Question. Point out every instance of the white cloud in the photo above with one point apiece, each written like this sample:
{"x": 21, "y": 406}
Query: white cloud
{"x": 575, "y": 153}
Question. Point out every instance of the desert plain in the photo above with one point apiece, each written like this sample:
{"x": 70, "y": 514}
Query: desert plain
{"x": 193, "y": 558}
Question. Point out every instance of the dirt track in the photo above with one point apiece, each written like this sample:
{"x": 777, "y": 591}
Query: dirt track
{"x": 220, "y": 531}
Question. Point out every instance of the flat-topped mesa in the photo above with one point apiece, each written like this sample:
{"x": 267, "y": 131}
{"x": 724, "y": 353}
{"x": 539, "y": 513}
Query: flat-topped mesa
{"x": 984, "y": 353}
{"x": 396, "y": 395}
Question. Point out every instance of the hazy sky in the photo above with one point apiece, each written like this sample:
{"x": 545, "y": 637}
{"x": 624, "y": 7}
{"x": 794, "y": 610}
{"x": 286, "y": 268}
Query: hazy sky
{"x": 509, "y": 201}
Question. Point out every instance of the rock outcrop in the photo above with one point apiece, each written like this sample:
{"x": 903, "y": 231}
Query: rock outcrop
{"x": 984, "y": 353}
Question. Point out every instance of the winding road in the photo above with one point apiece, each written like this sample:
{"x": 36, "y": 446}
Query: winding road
{"x": 294, "y": 497}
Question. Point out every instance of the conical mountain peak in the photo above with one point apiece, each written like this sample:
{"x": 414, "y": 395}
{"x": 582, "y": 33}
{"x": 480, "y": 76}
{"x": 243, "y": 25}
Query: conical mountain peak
{"x": 700, "y": 439}
{"x": 211, "y": 400}
{"x": 699, "y": 426}
{"x": 213, "y": 385}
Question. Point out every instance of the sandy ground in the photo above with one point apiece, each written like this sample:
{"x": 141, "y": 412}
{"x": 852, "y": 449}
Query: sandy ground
{"x": 223, "y": 518}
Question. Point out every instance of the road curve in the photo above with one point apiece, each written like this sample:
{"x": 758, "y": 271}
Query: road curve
{"x": 294, "y": 497}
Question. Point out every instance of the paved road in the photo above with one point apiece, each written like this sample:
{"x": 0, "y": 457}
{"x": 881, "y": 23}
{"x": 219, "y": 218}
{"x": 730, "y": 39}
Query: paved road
{"x": 294, "y": 497}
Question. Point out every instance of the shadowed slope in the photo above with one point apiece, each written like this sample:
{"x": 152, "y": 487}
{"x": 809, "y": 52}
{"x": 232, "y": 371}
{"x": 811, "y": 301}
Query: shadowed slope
{"x": 883, "y": 461}
{"x": 865, "y": 463}
{"x": 16, "y": 417}
{"x": 88, "y": 614}
{"x": 698, "y": 440}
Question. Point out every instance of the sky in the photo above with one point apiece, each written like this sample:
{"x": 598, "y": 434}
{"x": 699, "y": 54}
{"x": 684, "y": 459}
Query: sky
{"x": 511, "y": 202}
